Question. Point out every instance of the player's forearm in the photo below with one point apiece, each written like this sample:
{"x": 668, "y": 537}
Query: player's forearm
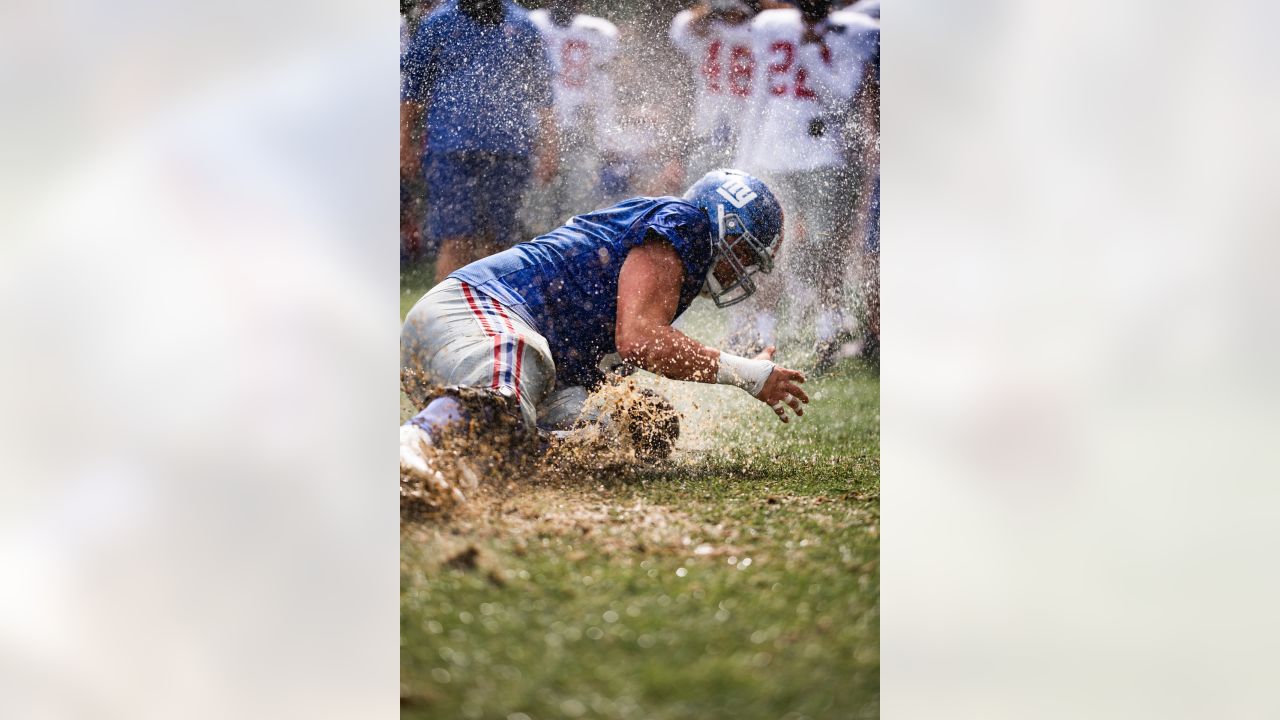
{"x": 670, "y": 353}
{"x": 665, "y": 351}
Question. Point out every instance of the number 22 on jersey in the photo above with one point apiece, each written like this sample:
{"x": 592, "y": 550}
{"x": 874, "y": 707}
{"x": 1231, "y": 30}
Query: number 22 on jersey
{"x": 785, "y": 75}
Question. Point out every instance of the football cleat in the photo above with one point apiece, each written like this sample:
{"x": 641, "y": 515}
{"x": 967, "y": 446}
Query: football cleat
{"x": 421, "y": 483}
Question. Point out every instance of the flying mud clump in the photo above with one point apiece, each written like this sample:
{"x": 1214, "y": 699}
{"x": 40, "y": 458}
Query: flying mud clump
{"x": 492, "y": 453}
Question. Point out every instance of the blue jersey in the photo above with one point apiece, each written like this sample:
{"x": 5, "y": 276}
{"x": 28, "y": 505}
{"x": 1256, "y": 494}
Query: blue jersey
{"x": 484, "y": 83}
{"x": 565, "y": 283}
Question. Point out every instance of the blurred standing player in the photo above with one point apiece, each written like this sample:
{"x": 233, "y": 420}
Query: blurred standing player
{"x": 864, "y": 132}
{"x": 580, "y": 48}
{"x": 478, "y": 71}
{"x": 715, "y": 37}
{"x": 810, "y": 67}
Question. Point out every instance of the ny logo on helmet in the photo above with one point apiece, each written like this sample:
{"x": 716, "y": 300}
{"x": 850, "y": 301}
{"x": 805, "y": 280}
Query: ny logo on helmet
{"x": 736, "y": 192}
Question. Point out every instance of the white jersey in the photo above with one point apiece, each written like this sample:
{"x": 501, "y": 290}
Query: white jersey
{"x": 858, "y": 31}
{"x": 870, "y": 8}
{"x": 724, "y": 68}
{"x": 802, "y": 89}
{"x": 578, "y": 54}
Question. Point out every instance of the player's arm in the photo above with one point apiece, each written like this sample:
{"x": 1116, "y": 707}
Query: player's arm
{"x": 648, "y": 295}
{"x": 416, "y": 70}
{"x": 547, "y": 148}
{"x": 410, "y": 139}
{"x": 699, "y": 19}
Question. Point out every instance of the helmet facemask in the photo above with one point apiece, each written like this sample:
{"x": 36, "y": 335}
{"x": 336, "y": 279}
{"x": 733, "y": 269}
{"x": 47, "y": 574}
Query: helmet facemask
{"x": 733, "y": 235}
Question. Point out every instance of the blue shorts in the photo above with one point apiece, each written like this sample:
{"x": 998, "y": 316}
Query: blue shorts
{"x": 474, "y": 195}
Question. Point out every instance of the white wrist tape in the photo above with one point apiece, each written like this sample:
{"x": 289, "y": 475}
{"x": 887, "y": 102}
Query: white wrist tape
{"x": 750, "y": 375}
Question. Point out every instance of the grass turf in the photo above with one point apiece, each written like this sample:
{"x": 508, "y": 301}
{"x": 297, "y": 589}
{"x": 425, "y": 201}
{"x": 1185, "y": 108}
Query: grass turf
{"x": 740, "y": 581}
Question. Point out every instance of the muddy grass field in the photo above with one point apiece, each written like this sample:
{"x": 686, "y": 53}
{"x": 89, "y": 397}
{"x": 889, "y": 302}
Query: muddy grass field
{"x": 739, "y": 579}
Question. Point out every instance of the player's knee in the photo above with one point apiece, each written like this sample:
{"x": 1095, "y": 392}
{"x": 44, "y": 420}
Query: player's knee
{"x": 563, "y": 409}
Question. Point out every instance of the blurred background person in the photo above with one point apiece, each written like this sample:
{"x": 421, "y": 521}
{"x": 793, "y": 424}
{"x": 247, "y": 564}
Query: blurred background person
{"x": 581, "y": 48}
{"x": 809, "y": 70}
{"x": 476, "y": 82}
{"x": 715, "y": 38}
{"x": 863, "y": 135}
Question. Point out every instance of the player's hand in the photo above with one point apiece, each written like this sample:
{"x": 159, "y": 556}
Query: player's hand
{"x": 782, "y": 390}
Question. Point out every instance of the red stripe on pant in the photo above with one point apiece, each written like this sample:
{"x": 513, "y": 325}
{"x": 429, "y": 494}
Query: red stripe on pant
{"x": 497, "y": 360}
{"x": 503, "y": 314}
{"x": 506, "y": 319}
{"x": 519, "y": 357}
{"x": 500, "y": 362}
{"x": 475, "y": 309}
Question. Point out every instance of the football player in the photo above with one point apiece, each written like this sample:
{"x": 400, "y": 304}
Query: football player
{"x": 715, "y": 38}
{"x": 513, "y": 342}
{"x": 810, "y": 67}
{"x": 581, "y": 48}
{"x": 476, "y": 80}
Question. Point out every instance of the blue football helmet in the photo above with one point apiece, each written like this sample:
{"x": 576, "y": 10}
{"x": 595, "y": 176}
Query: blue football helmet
{"x": 744, "y": 216}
